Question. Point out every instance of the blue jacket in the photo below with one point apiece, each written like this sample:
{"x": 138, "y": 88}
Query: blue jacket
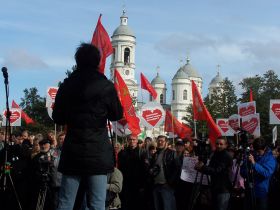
{"x": 263, "y": 170}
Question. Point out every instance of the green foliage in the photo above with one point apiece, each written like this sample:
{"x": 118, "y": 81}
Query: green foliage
{"x": 223, "y": 101}
{"x": 35, "y": 107}
{"x": 264, "y": 88}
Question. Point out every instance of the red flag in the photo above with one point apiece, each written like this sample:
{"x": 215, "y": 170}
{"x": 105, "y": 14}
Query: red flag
{"x": 172, "y": 124}
{"x": 24, "y": 116}
{"x": 145, "y": 84}
{"x": 201, "y": 113}
{"x": 126, "y": 101}
{"x": 101, "y": 40}
{"x": 251, "y": 95}
{"x": 198, "y": 106}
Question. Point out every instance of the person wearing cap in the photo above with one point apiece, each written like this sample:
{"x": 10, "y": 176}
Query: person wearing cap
{"x": 41, "y": 168}
{"x": 85, "y": 101}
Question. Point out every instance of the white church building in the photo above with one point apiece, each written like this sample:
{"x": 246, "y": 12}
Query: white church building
{"x": 123, "y": 59}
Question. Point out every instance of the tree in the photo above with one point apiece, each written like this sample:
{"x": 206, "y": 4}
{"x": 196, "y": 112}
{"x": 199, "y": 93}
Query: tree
{"x": 264, "y": 88}
{"x": 35, "y": 106}
{"x": 223, "y": 102}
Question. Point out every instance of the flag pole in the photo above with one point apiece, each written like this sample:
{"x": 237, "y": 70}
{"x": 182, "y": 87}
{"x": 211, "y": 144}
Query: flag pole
{"x": 116, "y": 131}
{"x": 195, "y": 134}
{"x": 172, "y": 122}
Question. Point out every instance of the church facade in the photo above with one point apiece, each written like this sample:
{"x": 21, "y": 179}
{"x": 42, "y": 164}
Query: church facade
{"x": 123, "y": 59}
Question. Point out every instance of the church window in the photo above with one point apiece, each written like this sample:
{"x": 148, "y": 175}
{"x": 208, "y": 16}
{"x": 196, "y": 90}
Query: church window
{"x": 127, "y": 72}
{"x": 185, "y": 95}
{"x": 173, "y": 95}
{"x": 126, "y": 55}
{"x": 161, "y": 98}
{"x": 151, "y": 97}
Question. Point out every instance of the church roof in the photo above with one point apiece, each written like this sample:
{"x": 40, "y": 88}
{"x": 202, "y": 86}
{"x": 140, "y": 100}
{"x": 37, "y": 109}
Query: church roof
{"x": 123, "y": 28}
{"x": 157, "y": 80}
{"x": 180, "y": 74}
{"x": 216, "y": 80}
{"x": 190, "y": 70}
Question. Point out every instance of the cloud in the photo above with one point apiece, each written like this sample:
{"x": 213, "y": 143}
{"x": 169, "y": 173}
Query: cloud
{"x": 257, "y": 49}
{"x": 21, "y": 59}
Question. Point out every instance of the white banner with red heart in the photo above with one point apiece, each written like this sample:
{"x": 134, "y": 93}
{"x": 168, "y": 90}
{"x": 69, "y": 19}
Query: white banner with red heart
{"x": 15, "y": 118}
{"x": 248, "y": 108}
{"x": 234, "y": 122}
{"x": 274, "y": 112}
{"x": 51, "y": 94}
{"x": 224, "y": 127}
{"x": 251, "y": 124}
{"x": 152, "y": 115}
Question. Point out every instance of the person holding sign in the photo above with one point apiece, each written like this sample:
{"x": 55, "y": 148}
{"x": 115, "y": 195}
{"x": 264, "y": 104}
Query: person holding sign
{"x": 84, "y": 102}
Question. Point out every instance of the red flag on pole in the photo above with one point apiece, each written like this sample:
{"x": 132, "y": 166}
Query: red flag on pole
{"x": 172, "y": 124}
{"x": 101, "y": 40}
{"x": 126, "y": 101}
{"x": 201, "y": 113}
{"x": 24, "y": 116}
{"x": 145, "y": 84}
{"x": 251, "y": 95}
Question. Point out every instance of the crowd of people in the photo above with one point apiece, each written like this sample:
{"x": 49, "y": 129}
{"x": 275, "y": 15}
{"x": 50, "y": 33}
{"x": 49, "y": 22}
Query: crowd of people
{"x": 85, "y": 169}
{"x": 147, "y": 175}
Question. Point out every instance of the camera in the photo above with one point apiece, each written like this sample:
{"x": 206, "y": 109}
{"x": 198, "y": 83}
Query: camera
{"x": 202, "y": 149}
{"x": 154, "y": 171}
{"x": 244, "y": 138}
{"x": 45, "y": 162}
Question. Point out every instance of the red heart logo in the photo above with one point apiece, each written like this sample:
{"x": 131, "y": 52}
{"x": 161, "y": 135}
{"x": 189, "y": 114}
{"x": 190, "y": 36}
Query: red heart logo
{"x": 15, "y": 115}
{"x": 250, "y": 125}
{"x": 276, "y": 110}
{"x": 223, "y": 125}
{"x": 244, "y": 111}
{"x": 152, "y": 117}
{"x": 234, "y": 124}
{"x": 52, "y": 93}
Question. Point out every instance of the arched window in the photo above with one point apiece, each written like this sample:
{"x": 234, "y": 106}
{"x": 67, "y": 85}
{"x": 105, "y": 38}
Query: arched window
{"x": 173, "y": 95}
{"x": 161, "y": 98}
{"x": 126, "y": 55}
{"x": 185, "y": 95}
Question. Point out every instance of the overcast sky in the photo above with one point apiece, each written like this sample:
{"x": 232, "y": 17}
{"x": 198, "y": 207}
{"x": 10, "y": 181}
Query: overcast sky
{"x": 39, "y": 38}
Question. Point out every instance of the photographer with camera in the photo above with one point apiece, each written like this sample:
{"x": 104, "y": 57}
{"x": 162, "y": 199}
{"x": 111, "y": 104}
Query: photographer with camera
{"x": 41, "y": 181}
{"x": 263, "y": 165}
{"x": 219, "y": 169}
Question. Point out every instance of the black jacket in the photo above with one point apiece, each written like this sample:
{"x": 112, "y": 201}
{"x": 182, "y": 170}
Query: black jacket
{"x": 219, "y": 169}
{"x": 84, "y": 102}
{"x": 169, "y": 165}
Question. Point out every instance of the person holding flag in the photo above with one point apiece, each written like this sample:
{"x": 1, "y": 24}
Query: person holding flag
{"x": 84, "y": 102}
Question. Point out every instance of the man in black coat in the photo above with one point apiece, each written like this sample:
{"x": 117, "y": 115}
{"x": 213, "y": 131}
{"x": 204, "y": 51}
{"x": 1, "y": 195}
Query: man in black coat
{"x": 219, "y": 169}
{"x": 84, "y": 102}
{"x": 131, "y": 164}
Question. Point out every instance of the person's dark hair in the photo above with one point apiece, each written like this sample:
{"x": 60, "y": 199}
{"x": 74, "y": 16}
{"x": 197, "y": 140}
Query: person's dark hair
{"x": 87, "y": 56}
{"x": 222, "y": 138}
{"x": 162, "y": 136}
{"x": 259, "y": 144}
